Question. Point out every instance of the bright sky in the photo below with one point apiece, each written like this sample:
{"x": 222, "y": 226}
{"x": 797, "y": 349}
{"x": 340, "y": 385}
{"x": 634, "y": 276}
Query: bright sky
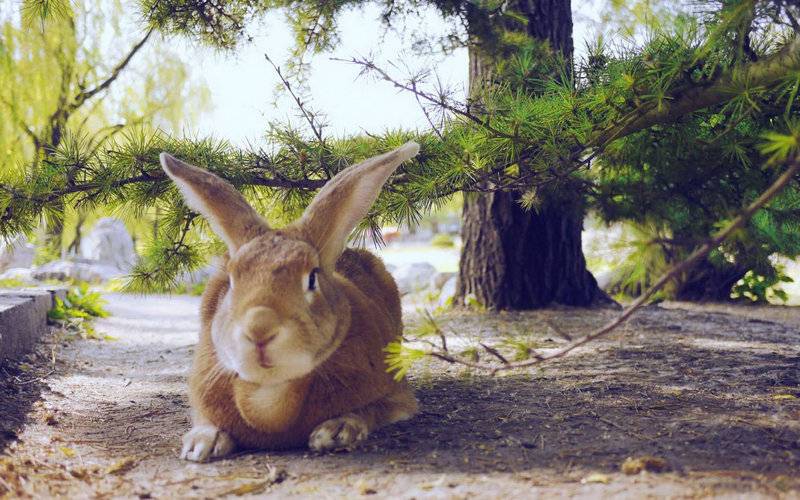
{"x": 243, "y": 84}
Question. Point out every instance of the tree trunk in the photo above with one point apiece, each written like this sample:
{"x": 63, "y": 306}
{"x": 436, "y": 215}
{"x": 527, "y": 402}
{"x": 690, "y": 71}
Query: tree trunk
{"x": 514, "y": 258}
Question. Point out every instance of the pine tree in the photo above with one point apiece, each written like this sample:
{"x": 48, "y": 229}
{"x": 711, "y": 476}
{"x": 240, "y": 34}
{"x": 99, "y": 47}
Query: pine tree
{"x": 514, "y": 257}
{"x": 538, "y": 138}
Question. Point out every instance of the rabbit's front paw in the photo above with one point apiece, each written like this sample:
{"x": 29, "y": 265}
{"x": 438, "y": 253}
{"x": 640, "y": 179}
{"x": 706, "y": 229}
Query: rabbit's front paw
{"x": 338, "y": 433}
{"x": 204, "y": 442}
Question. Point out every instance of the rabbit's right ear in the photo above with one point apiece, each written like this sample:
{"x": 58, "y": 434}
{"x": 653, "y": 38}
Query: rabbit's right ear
{"x": 346, "y": 199}
{"x": 228, "y": 213}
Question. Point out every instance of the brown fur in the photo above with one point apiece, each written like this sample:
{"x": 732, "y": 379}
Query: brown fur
{"x": 281, "y": 364}
{"x": 353, "y": 378}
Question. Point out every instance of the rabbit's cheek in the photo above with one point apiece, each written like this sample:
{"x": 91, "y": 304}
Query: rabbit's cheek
{"x": 301, "y": 362}
{"x": 224, "y": 336}
{"x": 291, "y": 357}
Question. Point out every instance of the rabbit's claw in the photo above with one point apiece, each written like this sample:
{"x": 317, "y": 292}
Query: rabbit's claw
{"x": 204, "y": 442}
{"x": 338, "y": 433}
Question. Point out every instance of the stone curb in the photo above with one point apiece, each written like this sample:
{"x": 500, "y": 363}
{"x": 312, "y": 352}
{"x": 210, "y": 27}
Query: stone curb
{"x": 23, "y": 318}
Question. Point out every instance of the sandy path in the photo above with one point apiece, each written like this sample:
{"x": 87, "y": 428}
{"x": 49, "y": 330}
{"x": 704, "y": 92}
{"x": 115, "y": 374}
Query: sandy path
{"x": 112, "y": 412}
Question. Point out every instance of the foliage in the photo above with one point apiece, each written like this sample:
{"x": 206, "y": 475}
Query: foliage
{"x": 400, "y": 358}
{"x": 80, "y": 302}
{"x": 12, "y": 283}
{"x": 595, "y": 132}
{"x": 520, "y": 346}
{"x": 66, "y": 91}
{"x": 77, "y": 310}
{"x": 681, "y": 179}
{"x": 442, "y": 240}
{"x": 758, "y": 288}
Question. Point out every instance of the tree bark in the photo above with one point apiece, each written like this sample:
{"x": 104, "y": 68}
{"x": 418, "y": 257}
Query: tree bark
{"x": 514, "y": 258}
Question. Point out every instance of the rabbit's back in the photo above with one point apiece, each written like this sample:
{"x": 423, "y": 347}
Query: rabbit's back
{"x": 368, "y": 273}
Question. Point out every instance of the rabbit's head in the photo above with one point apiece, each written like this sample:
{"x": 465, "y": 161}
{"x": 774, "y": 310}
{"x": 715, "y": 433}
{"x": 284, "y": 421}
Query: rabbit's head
{"x": 282, "y": 315}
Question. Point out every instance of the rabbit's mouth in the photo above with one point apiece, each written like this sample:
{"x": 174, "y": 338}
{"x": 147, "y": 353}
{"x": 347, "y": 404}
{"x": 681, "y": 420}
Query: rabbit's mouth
{"x": 264, "y": 360}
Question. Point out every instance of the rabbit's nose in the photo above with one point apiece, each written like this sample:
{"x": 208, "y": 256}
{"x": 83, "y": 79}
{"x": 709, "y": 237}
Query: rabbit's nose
{"x": 259, "y": 321}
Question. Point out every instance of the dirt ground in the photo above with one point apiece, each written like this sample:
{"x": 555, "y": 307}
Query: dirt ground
{"x": 712, "y": 392}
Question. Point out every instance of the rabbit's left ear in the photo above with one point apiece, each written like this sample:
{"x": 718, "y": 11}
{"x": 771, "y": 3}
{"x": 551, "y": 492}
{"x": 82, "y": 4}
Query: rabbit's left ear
{"x": 346, "y": 199}
{"x": 230, "y": 216}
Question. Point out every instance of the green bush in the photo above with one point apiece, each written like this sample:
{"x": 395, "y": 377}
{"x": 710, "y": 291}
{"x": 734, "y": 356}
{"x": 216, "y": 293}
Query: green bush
{"x": 76, "y": 312}
{"x": 12, "y": 283}
{"x": 758, "y": 288}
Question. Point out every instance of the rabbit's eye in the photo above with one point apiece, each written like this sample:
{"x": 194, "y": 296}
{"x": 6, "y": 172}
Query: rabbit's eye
{"x": 312, "y": 279}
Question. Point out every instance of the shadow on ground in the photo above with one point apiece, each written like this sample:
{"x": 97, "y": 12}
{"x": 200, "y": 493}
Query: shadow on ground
{"x": 712, "y": 394}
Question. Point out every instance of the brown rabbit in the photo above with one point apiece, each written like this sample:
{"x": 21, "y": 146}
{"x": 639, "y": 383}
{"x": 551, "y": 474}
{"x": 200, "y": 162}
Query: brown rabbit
{"x": 294, "y": 326}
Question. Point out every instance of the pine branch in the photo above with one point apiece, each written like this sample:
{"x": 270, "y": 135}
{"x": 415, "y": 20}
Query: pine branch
{"x": 316, "y": 127}
{"x": 93, "y": 189}
{"x": 765, "y": 73}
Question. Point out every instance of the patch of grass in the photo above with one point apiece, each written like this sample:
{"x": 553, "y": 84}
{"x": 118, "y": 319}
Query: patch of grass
{"x": 12, "y": 283}
{"x": 443, "y": 240}
{"x": 76, "y": 313}
{"x": 522, "y": 347}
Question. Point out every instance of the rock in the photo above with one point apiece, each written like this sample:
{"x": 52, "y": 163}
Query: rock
{"x": 439, "y": 279}
{"x": 413, "y": 277}
{"x": 109, "y": 244}
{"x": 22, "y": 274}
{"x": 17, "y": 252}
{"x": 448, "y": 292}
{"x": 64, "y": 270}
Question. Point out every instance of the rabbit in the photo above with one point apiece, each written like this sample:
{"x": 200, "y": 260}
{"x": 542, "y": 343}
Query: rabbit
{"x": 294, "y": 325}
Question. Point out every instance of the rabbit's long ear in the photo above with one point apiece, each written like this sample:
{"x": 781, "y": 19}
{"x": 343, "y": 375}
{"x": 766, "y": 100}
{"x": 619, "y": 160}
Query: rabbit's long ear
{"x": 346, "y": 199}
{"x": 226, "y": 210}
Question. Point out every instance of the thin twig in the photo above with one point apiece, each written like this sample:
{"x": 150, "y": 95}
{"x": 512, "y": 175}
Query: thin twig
{"x": 370, "y": 66}
{"x": 438, "y": 330}
{"x": 557, "y": 331}
{"x": 316, "y": 127}
{"x": 494, "y": 352}
{"x": 85, "y": 95}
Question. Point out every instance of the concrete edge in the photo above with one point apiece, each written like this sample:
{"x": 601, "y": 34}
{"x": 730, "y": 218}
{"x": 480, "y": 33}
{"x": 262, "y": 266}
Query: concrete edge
{"x": 23, "y": 318}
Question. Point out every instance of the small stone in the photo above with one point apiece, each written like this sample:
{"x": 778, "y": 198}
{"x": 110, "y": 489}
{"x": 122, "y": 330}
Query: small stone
{"x": 632, "y": 466}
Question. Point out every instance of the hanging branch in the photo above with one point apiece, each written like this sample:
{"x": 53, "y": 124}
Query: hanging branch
{"x": 764, "y": 73}
{"x": 309, "y": 116}
{"x": 368, "y": 65}
{"x": 700, "y": 253}
{"x": 85, "y": 95}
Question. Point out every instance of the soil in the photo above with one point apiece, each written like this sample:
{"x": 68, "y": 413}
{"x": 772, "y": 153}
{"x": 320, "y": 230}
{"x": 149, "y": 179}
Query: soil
{"x": 711, "y": 394}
